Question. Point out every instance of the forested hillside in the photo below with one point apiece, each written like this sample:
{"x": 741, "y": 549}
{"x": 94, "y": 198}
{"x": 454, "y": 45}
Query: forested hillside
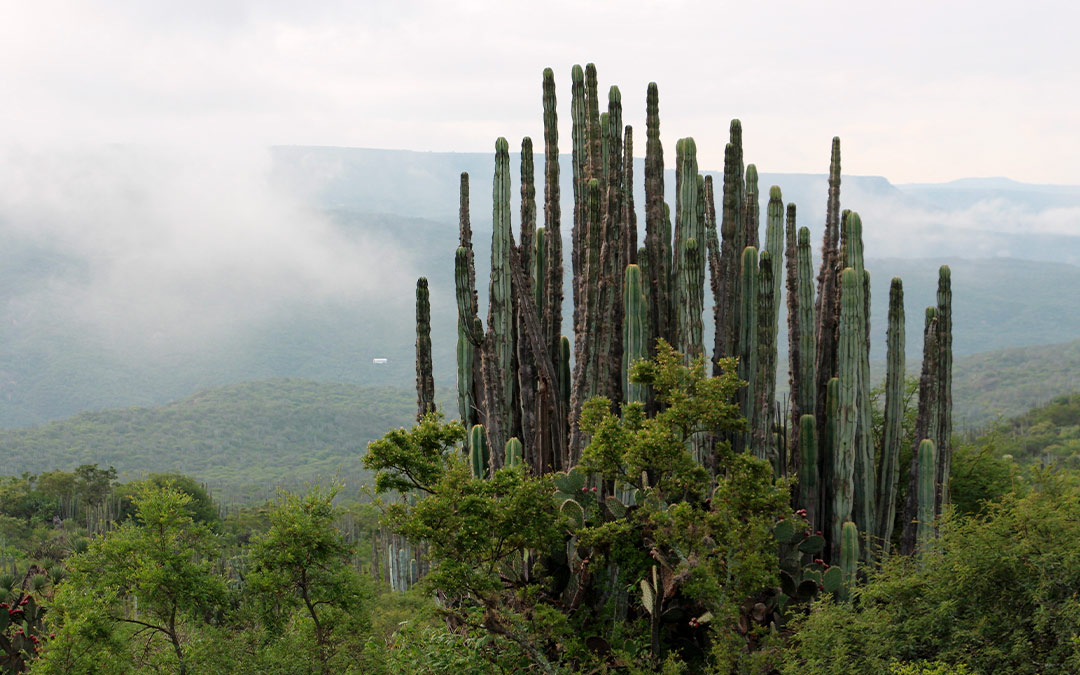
{"x": 242, "y": 440}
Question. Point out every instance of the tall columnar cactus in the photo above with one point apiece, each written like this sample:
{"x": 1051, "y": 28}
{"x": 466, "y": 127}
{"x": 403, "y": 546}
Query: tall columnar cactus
{"x": 764, "y": 446}
{"x": 500, "y": 315}
{"x": 925, "y": 424}
{"x": 889, "y": 473}
{"x": 525, "y": 409}
{"x": 809, "y": 487}
{"x": 551, "y": 413}
{"x": 827, "y": 307}
{"x": 752, "y": 214}
{"x": 564, "y": 371}
{"x": 635, "y": 332}
{"x": 657, "y": 236}
{"x": 801, "y": 326}
{"x": 943, "y": 436}
{"x": 689, "y": 256}
{"x": 865, "y": 500}
{"x": 470, "y": 332}
{"x": 774, "y": 243}
{"x": 425, "y": 381}
{"x": 726, "y": 309}
{"x": 807, "y": 320}
{"x": 479, "y": 456}
{"x": 748, "y": 319}
{"x": 844, "y": 448}
{"x": 928, "y": 485}
{"x": 849, "y": 560}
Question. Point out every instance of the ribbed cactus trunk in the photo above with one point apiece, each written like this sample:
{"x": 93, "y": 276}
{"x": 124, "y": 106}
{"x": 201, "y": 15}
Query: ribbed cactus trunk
{"x": 827, "y": 304}
{"x": 726, "y": 309}
{"x": 889, "y": 473}
{"x": 849, "y": 560}
{"x": 809, "y": 486}
{"x": 552, "y": 410}
{"x": 925, "y": 423}
{"x": 499, "y": 379}
{"x": 479, "y": 457}
{"x": 689, "y": 260}
{"x": 752, "y": 210}
{"x": 865, "y": 499}
{"x": 747, "y": 343}
{"x": 470, "y": 332}
{"x": 843, "y": 485}
{"x": 943, "y": 437}
{"x": 928, "y": 488}
{"x": 635, "y": 332}
{"x": 764, "y": 445}
{"x": 526, "y": 412}
{"x": 774, "y": 243}
{"x": 657, "y": 235}
{"x": 425, "y": 381}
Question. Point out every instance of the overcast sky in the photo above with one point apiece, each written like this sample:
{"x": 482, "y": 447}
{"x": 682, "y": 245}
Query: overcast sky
{"x": 918, "y": 91}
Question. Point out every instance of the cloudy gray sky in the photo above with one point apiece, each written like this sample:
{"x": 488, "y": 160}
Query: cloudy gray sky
{"x": 919, "y": 91}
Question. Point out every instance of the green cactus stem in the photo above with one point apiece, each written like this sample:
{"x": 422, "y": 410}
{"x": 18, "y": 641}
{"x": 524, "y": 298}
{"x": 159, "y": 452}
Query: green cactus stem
{"x": 478, "y": 451}
{"x": 843, "y": 473}
{"x": 657, "y": 236}
{"x": 726, "y": 309}
{"x": 925, "y": 423}
{"x": 425, "y": 381}
{"x": 764, "y": 446}
{"x": 513, "y": 452}
{"x": 827, "y": 304}
{"x": 748, "y": 319}
{"x": 849, "y": 560}
{"x": 928, "y": 485}
{"x": 752, "y": 214}
{"x": 889, "y": 473}
{"x": 635, "y": 332}
{"x": 500, "y": 310}
{"x": 943, "y": 436}
{"x": 809, "y": 489}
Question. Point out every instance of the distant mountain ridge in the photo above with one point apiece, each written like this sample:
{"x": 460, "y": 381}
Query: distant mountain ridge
{"x": 65, "y": 348}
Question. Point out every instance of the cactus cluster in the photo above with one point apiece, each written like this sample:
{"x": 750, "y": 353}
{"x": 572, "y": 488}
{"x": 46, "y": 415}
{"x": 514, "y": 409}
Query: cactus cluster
{"x": 521, "y": 401}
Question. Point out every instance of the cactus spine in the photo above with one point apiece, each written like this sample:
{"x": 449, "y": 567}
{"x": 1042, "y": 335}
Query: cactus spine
{"x": 425, "y": 381}
{"x": 894, "y": 416}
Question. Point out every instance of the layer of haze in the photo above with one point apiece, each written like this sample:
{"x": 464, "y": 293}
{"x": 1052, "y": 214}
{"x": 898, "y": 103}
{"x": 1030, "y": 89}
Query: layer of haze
{"x": 919, "y": 91}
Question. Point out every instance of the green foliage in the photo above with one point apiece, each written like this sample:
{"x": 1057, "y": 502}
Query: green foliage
{"x": 404, "y": 460}
{"x": 162, "y": 561}
{"x": 302, "y": 580}
{"x": 996, "y": 593}
{"x": 201, "y": 508}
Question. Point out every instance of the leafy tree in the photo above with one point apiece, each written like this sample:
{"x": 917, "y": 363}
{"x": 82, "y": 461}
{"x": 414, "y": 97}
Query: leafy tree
{"x": 200, "y": 507}
{"x": 149, "y": 581}
{"x": 547, "y": 578}
{"x": 303, "y": 564}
